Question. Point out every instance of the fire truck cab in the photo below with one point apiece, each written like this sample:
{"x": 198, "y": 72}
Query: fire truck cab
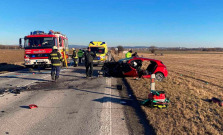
{"x": 38, "y": 46}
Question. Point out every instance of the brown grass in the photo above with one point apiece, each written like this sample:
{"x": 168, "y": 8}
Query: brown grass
{"x": 192, "y": 79}
{"x": 11, "y": 56}
{"x": 11, "y": 60}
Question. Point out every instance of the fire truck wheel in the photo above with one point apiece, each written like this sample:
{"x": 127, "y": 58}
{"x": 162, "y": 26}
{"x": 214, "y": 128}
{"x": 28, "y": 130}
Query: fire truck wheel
{"x": 48, "y": 66}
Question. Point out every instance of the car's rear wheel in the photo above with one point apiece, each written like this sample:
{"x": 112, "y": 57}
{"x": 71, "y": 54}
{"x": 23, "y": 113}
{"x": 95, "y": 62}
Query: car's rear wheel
{"x": 159, "y": 77}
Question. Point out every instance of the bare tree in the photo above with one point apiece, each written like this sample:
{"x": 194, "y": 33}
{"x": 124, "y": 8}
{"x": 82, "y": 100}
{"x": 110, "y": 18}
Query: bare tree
{"x": 152, "y": 49}
{"x": 112, "y": 49}
{"x": 120, "y": 48}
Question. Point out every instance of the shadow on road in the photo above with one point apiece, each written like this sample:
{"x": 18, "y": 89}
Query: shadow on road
{"x": 82, "y": 70}
{"x": 23, "y": 78}
{"x": 94, "y": 92}
{"x": 114, "y": 100}
{"x": 4, "y": 67}
{"x": 25, "y": 107}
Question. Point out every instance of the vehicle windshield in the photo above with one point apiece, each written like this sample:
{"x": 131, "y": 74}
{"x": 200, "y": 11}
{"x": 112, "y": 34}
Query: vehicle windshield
{"x": 98, "y": 50}
{"x": 39, "y": 42}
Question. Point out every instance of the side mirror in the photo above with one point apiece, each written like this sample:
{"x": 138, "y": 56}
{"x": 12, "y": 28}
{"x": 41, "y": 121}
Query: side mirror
{"x": 20, "y": 43}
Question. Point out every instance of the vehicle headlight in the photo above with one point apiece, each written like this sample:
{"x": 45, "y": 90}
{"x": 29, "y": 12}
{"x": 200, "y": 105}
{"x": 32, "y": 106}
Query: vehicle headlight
{"x": 102, "y": 57}
{"x": 27, "y": 61}
{"x": 27, "y": 56}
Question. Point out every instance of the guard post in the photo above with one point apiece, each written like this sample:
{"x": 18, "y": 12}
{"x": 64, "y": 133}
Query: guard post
{"x": 152, "y": 85}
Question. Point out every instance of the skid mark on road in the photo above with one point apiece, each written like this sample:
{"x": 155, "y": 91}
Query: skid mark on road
{"x": 32, "y": 82}
{"x": 33, "y": 77}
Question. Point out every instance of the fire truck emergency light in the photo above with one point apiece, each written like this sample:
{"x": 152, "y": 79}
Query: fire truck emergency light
{"x": 51, "y": 32}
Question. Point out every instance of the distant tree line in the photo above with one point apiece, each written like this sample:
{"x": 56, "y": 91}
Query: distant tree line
{"x": 153, "y": 49}
{"x": 9, "y": 47}
{"x": 213, "y": 49}
{"x": 194, "y": 49}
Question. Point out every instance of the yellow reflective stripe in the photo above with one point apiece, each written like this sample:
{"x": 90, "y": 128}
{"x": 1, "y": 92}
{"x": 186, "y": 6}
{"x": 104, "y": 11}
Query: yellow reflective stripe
{"x": 56, "y": 64}
{"x": 54, "y": 58}
{"x": 53, "y": 54}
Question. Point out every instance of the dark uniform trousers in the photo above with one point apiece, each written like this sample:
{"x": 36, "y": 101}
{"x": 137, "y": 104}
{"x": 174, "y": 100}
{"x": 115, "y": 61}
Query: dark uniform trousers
{"x": 80, "y": 59}
{"x": 89, "y": 69}
{"x": 55, "y": 58}
{"x": 55, "y": 69}
{"x": 75, "y": 58}
{"x": 75, "y": 62}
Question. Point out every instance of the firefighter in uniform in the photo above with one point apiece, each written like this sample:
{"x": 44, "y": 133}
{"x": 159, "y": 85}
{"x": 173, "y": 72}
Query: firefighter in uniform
{"x": 56, "y": 60}
{"x": 89, "y": 56}
{"x": 74, "y": 57}
{"x": 128, "y": 54}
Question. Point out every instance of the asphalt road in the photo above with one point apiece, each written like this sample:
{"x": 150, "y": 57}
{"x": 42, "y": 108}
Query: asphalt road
{"x": 74, "y": 105}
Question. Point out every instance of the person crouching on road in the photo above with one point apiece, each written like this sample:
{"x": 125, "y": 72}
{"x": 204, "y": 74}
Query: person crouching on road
{"x": 89, "y": 56}
{"x": 74, "y": 57}
{"x": 80, "y": 55}
{"x": 128, "y": 54}
{"x": 135, "y": 54}
{"x": 56, "y": 60}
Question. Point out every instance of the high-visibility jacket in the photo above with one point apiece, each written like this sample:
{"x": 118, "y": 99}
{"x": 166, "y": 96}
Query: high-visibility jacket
{"x": 128, "y": 55}
{"x": 56, "y": 58}
{"x": 80, "y": 53}
{"x": 74, "y": 55}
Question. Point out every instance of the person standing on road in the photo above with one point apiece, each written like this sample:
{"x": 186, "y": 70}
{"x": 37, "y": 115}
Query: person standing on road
{"x": 74, "y": 57}
{"x": 80, "y": 55}
{"x": 128, "y": 54}
{"x": 89, "y": 56}
{"x": 56, "y": 60}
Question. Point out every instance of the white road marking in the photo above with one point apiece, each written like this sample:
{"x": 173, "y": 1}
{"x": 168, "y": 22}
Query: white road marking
{"x": 106, "y": 125}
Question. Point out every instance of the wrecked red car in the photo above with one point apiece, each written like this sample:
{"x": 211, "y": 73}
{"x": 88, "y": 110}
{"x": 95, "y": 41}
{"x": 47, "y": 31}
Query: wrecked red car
{"x": 129, "y": 66}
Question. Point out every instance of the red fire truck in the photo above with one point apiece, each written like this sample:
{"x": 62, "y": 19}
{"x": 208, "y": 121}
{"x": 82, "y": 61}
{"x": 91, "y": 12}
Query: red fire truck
{"x": 38, "y": 45}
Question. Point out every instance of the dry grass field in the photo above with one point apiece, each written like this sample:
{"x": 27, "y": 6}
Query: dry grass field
{"x": 11, "y": 60}
{"x": 11, "y": 56}
{"x": 192, "y": 79}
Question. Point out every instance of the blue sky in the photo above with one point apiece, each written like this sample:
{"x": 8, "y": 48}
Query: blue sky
{"x": 163, "y": 23}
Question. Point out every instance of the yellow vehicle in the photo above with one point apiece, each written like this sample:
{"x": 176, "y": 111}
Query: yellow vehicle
{"x": 101, "y": 50}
